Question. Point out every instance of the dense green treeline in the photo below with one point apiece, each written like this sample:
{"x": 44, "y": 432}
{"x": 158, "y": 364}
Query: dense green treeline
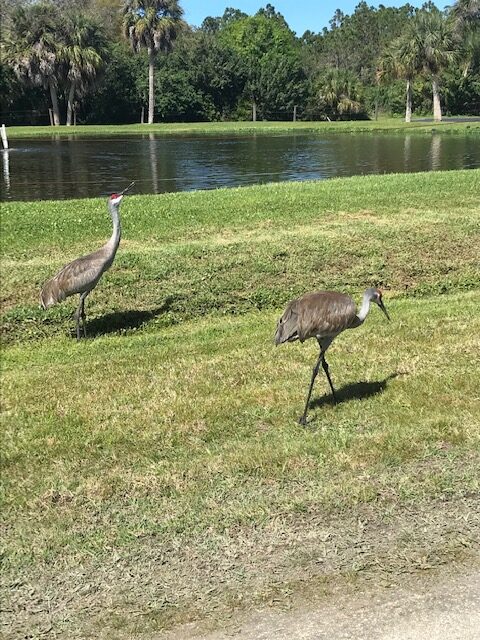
{"x": 113, "y": 61}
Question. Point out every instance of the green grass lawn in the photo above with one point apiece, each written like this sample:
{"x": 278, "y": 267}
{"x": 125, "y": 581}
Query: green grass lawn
{"x": 390, "y": 125}
{"x": 155, "y": 472}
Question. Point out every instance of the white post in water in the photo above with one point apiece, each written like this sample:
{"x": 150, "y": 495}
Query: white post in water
{"x": 6, "y": 168}
{"x": 4, "y": 137}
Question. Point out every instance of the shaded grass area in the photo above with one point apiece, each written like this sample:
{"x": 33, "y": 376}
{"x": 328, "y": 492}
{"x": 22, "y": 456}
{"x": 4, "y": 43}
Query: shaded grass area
{"x": 158, "y": 470}
{"x": 384, "y": 124}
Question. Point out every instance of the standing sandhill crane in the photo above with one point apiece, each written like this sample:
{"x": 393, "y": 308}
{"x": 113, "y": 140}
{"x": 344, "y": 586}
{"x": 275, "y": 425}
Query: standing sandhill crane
{"x": 323, "y": 315}
{"x": 83, "y": 274}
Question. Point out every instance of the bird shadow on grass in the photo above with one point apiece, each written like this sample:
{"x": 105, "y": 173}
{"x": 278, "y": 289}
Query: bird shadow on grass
{"x": 354, "y": 391}
{"x": 120, "y": 321}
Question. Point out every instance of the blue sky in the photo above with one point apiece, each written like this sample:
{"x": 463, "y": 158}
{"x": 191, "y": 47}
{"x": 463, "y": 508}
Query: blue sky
{"x": 300, "y": 14}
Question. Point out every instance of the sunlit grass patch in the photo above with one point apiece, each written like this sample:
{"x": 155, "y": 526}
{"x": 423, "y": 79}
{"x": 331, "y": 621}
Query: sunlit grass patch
{"x": 232, "y": 251}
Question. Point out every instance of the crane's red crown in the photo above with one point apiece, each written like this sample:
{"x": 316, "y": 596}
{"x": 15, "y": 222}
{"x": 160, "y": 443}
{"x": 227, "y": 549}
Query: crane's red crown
{"x": 113, "y": 196}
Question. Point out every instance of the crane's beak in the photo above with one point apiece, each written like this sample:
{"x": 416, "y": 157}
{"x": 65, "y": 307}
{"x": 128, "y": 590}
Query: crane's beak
{"x": 122, "y": 193}
{"x": 382, "y": 307}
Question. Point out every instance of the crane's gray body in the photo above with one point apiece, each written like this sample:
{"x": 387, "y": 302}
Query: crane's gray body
{"x": 323, "y": 315}
{"x": 82, "y": 275}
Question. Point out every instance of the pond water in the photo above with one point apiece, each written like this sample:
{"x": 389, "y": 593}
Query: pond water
{"x": 79, "y": 167}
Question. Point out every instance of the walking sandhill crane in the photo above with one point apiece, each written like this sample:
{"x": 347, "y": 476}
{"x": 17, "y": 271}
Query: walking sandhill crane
{"x": 83, "y": 274}
{"x": 323, "y": 315}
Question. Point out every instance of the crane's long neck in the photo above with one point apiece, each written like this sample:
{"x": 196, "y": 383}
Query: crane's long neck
{"x": 364, "y": 309}
{"x": 114, "y": 241}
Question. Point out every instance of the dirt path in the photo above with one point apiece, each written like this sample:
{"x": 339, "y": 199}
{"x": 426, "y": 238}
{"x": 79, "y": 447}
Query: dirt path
{"x": 445, "y": 606}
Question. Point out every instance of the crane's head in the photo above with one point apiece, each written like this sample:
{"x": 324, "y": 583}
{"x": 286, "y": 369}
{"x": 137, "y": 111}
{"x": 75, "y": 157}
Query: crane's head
{"x": 375, "y": 295}
{"x": 115, "y": 199}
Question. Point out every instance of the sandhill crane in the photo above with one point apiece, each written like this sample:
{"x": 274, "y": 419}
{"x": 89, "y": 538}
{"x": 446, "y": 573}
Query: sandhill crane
{"x": 323, "y": 315}
{"x": 83, "y": 274}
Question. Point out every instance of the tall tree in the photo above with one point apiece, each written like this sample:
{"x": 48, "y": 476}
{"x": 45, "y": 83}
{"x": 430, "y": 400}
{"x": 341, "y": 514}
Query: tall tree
{"x": 34, "y": 48}
{"x": 466, "y": 13}
{"x": 466, "y": 20}
{"x": 83, "y": 54}
{"x": 213, "y": 25}
{"x": 400, "y": 61}
{"x": 271, "y": 58}
{"x": 153, "y": 25}
{"x": 215, "y": 70}
{"x": 433, "y": 40}
{"x": 470, "y": 50}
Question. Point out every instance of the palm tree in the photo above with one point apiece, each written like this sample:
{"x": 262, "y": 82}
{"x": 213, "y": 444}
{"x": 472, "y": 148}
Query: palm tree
{"x": 399, "y": 61}
{"x": 153, "y": 25}
{"x": 466, "y": 20}
{"x": 434, "y": 43}
{"x": 466, "y": 13}
{"x": 470, "y": 51}
{"x": 341, "y": 92}
{"x": 33, "y": 49}
{"x": 83, "y": 54}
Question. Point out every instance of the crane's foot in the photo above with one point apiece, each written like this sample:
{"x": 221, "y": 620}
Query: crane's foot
{"x": 303, "y": 421}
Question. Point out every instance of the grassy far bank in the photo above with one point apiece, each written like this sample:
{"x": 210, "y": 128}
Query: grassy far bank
{"x": 390, "y": 125}
{"x": 157, "y": 468}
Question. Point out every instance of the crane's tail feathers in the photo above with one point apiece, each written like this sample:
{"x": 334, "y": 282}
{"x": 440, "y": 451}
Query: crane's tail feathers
{"x": 51, "y": 294}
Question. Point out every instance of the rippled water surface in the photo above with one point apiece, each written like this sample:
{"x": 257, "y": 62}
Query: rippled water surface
{"x": 78, "y": 167}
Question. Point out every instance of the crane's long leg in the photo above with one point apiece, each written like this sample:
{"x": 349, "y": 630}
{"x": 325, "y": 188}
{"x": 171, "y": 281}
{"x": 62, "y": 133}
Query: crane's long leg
{"x": 83, "y": 314}
{"x": 323, "y": 343}
{"x": 325, "y": 368}
{"x": 77, "y": 317}
{"x": 80, "y": 313}
{"x": 303, "y": 419}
